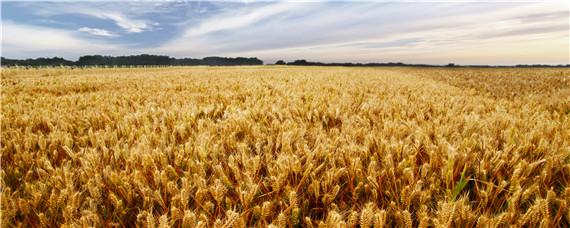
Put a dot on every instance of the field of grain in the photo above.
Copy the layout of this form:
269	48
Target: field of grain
286	147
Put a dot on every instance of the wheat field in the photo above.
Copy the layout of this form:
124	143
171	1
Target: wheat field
285	147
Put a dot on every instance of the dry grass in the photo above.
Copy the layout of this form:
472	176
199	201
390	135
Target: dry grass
286	146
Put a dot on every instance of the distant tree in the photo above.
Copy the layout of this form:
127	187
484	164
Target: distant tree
450	65
300	62
94	60
10	62
142	60
222	61
55	61
280	62
187	62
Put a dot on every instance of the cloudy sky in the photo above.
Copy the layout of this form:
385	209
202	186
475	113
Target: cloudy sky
435	32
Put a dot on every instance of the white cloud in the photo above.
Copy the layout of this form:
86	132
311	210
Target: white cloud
97	32
24	41
130	25
237	20
196	37
122	17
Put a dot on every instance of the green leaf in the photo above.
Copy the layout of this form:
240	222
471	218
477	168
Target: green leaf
459	186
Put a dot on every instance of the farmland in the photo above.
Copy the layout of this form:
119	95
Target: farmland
286	147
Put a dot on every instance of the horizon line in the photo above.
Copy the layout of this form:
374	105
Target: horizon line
309	62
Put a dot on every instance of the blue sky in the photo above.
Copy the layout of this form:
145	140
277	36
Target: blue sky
435	32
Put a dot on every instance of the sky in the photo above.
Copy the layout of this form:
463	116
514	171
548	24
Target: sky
431	32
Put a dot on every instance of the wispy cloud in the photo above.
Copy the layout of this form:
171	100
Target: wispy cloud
117	12
213	31
241	19
20	40
97	32
128	24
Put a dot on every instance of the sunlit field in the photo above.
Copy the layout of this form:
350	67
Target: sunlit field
285	147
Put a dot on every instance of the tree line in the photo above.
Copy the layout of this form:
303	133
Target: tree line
132	60
302	62
163	60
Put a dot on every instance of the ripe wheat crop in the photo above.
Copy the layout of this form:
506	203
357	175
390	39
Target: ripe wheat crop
285	147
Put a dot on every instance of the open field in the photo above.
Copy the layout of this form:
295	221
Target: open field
286	146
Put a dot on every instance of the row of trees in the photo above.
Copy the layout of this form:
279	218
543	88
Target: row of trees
55	61
303	62
132	60
163	60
